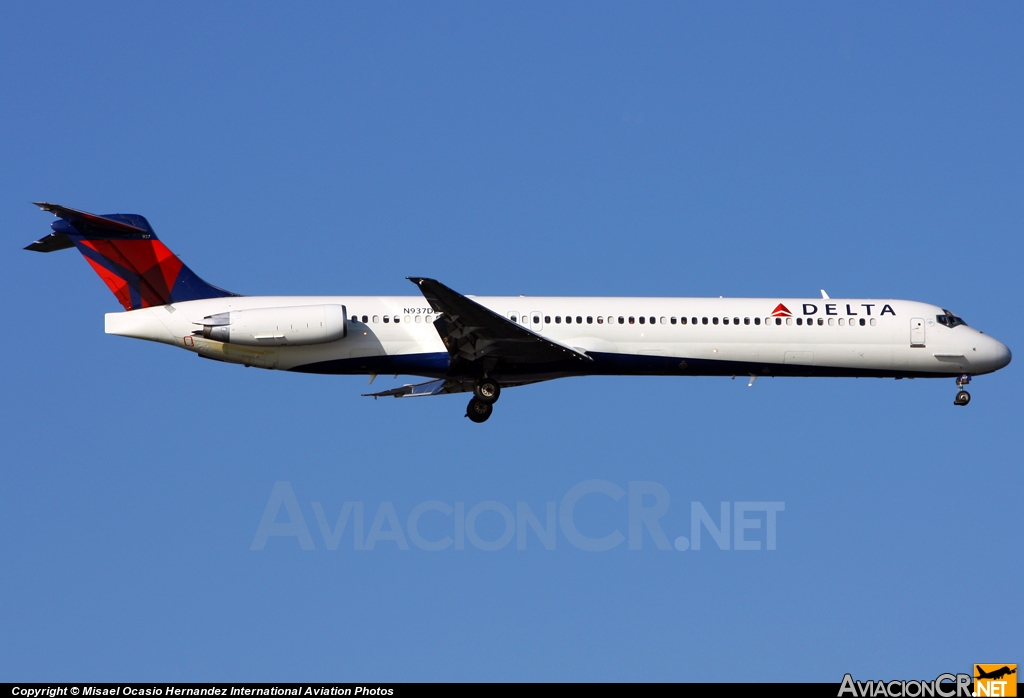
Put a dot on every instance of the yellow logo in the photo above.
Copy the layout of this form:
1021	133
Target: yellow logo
995	680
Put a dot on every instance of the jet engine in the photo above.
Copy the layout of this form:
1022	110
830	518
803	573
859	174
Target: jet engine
290	326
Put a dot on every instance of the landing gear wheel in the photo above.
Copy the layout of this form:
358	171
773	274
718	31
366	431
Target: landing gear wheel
962	396
487	390
479	411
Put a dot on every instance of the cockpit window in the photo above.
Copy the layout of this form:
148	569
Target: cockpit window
949	319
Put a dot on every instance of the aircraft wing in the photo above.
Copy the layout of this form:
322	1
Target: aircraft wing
473	333
440	386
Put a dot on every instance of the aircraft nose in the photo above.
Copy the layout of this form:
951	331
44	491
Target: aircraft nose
1002	355
995	354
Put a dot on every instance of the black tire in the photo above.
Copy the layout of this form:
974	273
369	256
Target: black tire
479	411
487	390
962	398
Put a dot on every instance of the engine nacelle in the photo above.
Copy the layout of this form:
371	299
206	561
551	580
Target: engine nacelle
292	326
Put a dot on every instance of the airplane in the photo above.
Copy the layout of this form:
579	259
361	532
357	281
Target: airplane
995	674
486	344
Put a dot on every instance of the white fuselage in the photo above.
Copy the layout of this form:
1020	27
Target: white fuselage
719	336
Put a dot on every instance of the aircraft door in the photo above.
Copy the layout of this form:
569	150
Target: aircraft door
917	332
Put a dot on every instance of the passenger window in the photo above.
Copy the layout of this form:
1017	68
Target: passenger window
547	319
579	320
703	321
512	318
842	322
536	319
682	321
693	321
364	319
558	319
746	321
872	322
387	319
652	320
600	320
757	321
799	321
568	319
821	321
631	320
725	321
419	318
376	318
621	320
673	321
789	321
735	321
590	320
641	319
862	322
714	321
778	321
831	322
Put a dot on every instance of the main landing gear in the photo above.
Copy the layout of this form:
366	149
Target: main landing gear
485	394
962	396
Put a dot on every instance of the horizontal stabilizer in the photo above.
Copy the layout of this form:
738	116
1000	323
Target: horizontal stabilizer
126	225
51	243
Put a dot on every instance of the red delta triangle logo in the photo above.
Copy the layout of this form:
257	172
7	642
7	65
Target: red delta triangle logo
781	311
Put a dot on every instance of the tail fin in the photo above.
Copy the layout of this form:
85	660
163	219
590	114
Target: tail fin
123	249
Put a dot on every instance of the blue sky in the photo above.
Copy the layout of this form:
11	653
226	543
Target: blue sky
547	149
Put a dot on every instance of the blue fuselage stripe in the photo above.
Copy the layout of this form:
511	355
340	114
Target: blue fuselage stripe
436	365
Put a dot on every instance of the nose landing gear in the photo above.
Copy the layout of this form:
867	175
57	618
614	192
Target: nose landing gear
962	396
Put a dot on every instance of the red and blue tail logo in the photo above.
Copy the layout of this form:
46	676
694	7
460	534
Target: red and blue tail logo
123	249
